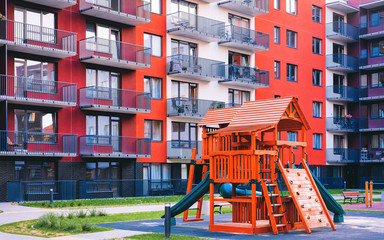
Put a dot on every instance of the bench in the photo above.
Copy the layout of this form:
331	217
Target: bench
220	205
351	195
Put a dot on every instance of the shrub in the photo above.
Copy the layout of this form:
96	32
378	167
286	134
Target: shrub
48	220
81	214
102	213
86	226
70	226
72	204
70	215
93	213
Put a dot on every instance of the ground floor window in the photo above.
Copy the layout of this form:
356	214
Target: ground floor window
34	171
103	171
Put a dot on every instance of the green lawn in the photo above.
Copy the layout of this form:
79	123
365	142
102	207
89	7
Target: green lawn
154	236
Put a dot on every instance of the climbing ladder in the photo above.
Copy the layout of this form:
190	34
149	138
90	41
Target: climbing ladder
306	197
275	206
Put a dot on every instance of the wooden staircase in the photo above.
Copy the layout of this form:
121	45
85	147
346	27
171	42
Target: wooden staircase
276	208
306	197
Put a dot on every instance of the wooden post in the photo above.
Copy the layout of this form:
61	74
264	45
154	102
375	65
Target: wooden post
253	206
371	202
290	157
211	203
366	194
200	202
190	179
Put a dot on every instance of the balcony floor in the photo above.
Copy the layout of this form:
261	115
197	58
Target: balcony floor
104	61
20	153
341	99
37	102
36	50
196	76
111	15
243	83
341	38
371	129
374	98
114	109
243	46
372	67
190	117
373	35
59	4
242	8
114	155
193	34
342	69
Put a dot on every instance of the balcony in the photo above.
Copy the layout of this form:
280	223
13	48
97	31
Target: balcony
195	27
341	31
241	76
114	147
191	108
245	39
371	63
372	30
29	91
341	63
191	67
341	6
132	13
37	144
372	155
251	8
371	124
342	155
372	92
339	124
114	100
37	40
110	53
59	4
180	149
341	93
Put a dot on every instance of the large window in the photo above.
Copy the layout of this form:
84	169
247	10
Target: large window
291	72
183	6
377	141
153	130
153	87
276	69
159	171
316	45
34	171
102	79
104	130
317	141
377	110
276	35
377	80
102	171
156	6
276	4
292	136
183	47
184	135
106	39
238	97
316	13
291	39
292	6
377	48
317	109
184	90
41	123
376	18
316	77
154	43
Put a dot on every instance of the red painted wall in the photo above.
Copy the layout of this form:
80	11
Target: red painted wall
303	57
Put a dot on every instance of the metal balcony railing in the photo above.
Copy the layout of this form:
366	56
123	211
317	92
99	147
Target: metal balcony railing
127	12
343	155
37	144
27	90
372	92
342	31
195	67
372	123
341	62
114	100
249	7
342	93
59	4
371	30
193	26
182	149
245	76
372	63
340	124
244	39
114	147
114	53
191	107
34	39
372	155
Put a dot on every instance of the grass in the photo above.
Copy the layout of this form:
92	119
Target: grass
1	211
154	236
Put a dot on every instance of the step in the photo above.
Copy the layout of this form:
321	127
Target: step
281	225
278	215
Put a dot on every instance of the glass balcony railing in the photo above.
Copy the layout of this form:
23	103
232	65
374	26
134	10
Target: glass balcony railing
341	62
340	124
37	40
372	124
372	155
59	4
343	155
195	27
372	92
342	93
114	147
182	149
114	100
195	67
342	31
191	107
31	91
249	7
37	144
374	29
132	13
114	54
244	39
245	76
372	63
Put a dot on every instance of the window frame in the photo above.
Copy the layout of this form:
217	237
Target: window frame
317	143
291	34
289	4
276	35
150	35
317	109
316	45
289	71
151	130
317	13
151	87
276	69
318	77
241	92
188	125
160	8
276	4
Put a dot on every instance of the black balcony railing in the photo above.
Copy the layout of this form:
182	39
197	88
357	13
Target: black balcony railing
341	92
30	90
191	107
342	124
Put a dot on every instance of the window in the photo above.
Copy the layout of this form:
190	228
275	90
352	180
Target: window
277	96
317	141
184	48
154	43
276	4
238	97
291	72
292	6
153	130
316	45
156	6
291	39
183	6
316	13
159	171
153	87
377	111
317	109
377	48
377	79
99	38
376	18
103	85
102	171
184	135
316	77
235	20
184	90
377	141
276	69
276	35
34	171
103	130
36	122
292	136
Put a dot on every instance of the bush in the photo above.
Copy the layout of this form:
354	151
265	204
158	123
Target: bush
81	214
70	226
72	204
102	213
93	213
70	215
49	220
86	226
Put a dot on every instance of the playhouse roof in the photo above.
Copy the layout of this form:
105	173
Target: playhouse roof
258	115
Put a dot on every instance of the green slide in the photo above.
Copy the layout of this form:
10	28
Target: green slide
193	196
